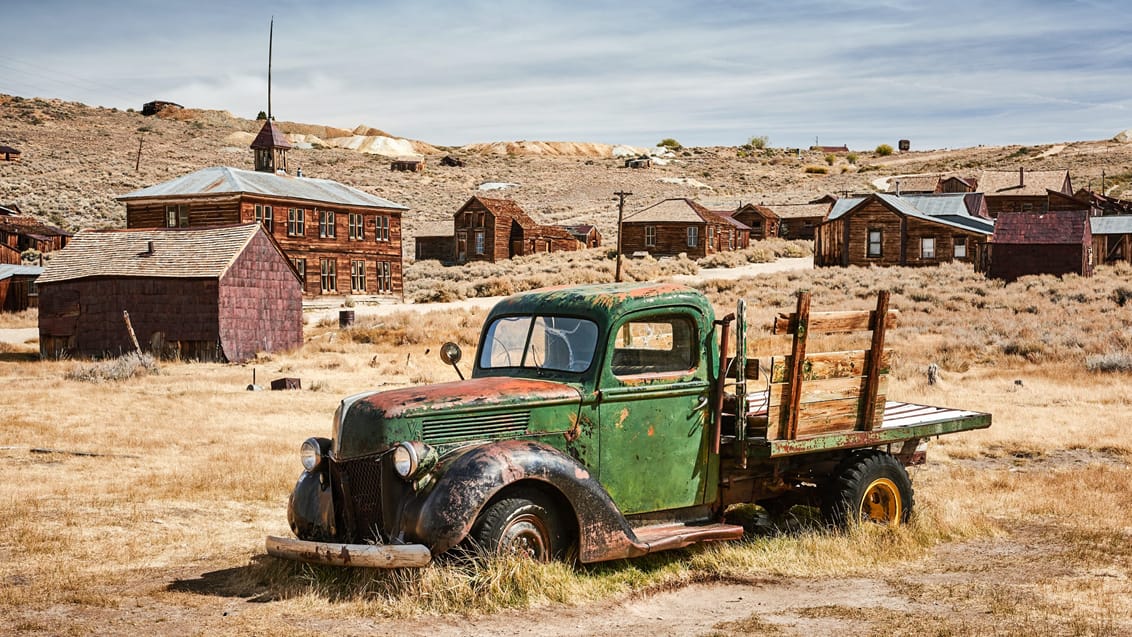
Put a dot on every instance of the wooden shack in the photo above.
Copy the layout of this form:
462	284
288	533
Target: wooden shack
214	294
1055	242
677	226
1112	238
20	233
409	165
7	153
761	221
885	230
18	290
798	220
488	229
587	235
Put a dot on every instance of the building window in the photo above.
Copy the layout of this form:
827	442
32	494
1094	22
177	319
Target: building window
960	247
693	236
357	275
730	239
329	275
480	218
177	216
357	230
384	278
1027	207
326	229
381	228
479	242
650	236
296	222
927	248
875	242
266	216
301	268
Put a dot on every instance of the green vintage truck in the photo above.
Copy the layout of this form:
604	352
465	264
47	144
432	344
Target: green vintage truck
610	421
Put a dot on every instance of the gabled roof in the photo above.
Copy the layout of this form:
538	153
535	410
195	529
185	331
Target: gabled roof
1052	227
221	180
1113	224
8	271
502	209
270	137
675	210
9	209
798	210
9	150
729	217
914	183
189	253
1022	182
948	209
31	227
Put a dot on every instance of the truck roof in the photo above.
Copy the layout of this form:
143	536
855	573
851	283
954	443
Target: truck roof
609	299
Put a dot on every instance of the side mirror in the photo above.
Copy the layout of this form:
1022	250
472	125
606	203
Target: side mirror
450	353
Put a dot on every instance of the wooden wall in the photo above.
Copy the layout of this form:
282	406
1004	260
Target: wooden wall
15	293
1010	261
260	304
672	238
442	249
209	211
1112	248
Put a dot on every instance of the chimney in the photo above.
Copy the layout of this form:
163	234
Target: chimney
1021	177
897	187
149	248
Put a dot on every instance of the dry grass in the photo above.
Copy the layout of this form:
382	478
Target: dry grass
1022	528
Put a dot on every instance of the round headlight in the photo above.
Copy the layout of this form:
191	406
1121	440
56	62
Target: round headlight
311	454
405	459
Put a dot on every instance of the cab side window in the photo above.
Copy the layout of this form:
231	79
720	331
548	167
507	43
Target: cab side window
655	345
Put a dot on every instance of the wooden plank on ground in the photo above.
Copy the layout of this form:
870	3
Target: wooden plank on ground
829	365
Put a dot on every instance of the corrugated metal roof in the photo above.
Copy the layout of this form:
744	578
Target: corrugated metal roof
219	180
1115	224
191	253
8	271
949	209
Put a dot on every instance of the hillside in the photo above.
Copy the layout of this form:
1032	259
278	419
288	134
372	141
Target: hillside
76	159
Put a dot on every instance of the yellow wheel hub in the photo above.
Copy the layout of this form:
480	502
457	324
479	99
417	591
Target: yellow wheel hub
881	503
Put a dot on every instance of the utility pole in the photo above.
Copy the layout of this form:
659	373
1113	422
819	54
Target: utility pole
270	39
137	164
621	194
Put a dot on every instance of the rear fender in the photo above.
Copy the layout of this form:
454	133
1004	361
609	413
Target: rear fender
468	479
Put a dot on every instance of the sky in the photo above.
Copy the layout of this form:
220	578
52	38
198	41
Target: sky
854	72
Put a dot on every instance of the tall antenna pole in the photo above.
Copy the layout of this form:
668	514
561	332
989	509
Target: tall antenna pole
270	38
620	213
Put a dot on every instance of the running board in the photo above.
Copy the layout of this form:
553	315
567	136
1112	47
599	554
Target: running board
665	537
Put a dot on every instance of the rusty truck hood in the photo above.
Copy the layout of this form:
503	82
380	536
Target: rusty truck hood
477	408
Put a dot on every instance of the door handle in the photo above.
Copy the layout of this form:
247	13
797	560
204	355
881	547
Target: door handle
700	405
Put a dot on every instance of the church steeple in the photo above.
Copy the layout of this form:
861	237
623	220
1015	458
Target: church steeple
271	148
270	145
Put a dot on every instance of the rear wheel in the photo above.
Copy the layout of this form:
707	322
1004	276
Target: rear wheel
524	523
869	486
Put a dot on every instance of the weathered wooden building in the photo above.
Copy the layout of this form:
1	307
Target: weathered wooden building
1021	190
222	293
1112	238
931	184
341	240
1055	242
885	230
18	289
488	229
798	220
674	226
410	164
19	233
761	221
589	236
436	247
7	153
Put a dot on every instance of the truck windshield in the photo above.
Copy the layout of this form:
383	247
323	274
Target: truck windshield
559	343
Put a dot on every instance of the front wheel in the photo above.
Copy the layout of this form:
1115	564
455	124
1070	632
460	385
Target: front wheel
524	524
870	486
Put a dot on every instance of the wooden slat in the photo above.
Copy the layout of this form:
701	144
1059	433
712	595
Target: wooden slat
830	416
773	345
797	358
834	322
873	365
828	365
816	391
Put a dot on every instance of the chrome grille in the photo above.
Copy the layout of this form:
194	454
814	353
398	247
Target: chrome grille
446	428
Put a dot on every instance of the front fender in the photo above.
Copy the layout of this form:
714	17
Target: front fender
466	481
310	510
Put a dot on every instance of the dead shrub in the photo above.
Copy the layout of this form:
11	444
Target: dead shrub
1112	362
115	369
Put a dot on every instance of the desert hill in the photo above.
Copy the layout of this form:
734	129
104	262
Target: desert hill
77	158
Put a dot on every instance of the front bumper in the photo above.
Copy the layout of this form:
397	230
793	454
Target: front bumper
363	555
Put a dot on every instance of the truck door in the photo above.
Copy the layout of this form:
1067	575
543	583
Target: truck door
653	411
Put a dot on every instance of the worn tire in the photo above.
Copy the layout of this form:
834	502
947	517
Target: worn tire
525	522
868	486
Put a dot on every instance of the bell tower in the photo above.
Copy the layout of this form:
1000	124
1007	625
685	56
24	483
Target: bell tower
270	145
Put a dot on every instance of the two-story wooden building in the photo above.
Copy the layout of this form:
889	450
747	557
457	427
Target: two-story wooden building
488	229
885	230
341	240
674	226
1022	190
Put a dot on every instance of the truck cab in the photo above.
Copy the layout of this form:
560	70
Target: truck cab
596	422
